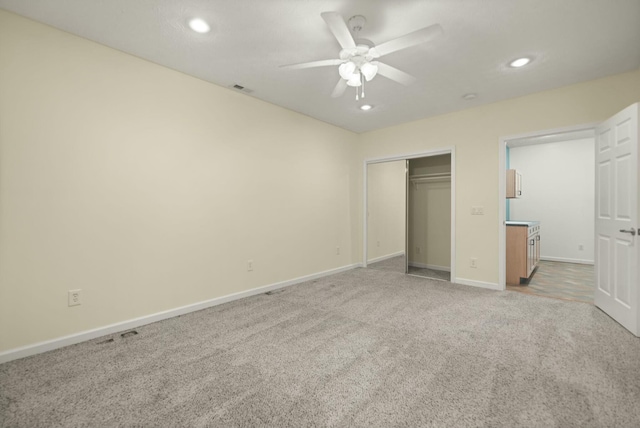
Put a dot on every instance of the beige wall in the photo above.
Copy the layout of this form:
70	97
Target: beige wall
149	189
475	133
386	196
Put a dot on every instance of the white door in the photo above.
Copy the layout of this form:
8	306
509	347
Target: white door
617	255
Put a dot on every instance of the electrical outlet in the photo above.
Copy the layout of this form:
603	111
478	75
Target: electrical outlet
337	251
73	297
580	247
418	250
249	265
474	262
378	244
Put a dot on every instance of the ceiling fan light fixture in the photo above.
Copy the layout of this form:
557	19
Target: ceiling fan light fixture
347	70
369	70
355	80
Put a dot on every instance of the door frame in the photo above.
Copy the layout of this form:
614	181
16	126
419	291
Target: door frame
502	188
407	156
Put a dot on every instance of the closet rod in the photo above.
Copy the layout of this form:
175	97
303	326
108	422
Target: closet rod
438	174
420	180
442	176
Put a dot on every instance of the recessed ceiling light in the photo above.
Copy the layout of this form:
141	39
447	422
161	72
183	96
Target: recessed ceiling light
366	107
520	62
470	96
199	25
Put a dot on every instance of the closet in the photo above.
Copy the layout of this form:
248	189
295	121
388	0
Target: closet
429	217
409	212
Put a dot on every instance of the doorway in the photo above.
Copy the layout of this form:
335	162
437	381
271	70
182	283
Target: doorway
409	214
616	213
557	189
556	170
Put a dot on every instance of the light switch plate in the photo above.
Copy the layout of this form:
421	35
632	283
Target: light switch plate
477	210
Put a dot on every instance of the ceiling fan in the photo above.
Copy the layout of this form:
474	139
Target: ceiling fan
358	58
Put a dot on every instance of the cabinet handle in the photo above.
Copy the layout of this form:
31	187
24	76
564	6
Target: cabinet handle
538	238
532	242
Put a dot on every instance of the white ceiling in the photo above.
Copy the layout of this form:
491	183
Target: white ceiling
571	41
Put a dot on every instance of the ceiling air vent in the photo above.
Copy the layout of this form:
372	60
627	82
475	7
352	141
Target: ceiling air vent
242	88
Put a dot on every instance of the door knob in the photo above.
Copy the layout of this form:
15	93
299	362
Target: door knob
631	231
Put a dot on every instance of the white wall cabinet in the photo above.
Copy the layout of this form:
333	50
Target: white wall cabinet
514	184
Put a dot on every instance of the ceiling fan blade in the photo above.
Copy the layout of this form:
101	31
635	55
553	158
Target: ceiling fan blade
321	63
339	89
339	29
411	39
395	74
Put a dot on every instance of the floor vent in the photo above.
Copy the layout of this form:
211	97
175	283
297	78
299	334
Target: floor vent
106	341
241	88
128	334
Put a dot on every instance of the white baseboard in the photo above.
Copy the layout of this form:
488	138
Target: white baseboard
387	257
426	266
481	284
565	260
49	345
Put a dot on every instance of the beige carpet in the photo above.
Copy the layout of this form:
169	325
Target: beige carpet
362	348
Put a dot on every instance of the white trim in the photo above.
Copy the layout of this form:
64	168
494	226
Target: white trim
387	257
49	345
481	284
502	189
453	214
434	267
442	151
561	130
428	153
502	208
565	260
365	214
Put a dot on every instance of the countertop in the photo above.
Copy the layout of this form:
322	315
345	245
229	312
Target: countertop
522	223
